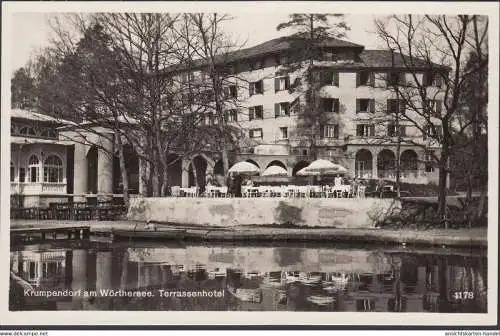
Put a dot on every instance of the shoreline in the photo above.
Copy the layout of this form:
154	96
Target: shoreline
475	238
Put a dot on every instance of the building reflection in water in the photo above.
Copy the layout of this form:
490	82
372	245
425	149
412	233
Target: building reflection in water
257	278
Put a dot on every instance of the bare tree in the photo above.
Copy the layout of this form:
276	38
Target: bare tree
433	51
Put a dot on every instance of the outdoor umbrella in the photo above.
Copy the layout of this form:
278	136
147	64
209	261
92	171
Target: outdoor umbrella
244	167
304	172
324	167
275	171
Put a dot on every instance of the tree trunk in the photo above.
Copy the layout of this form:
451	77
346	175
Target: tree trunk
443	174
164	185
123	169
156	180
225	159
195	173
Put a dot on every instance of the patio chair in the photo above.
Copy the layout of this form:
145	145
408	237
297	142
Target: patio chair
361	192
175	191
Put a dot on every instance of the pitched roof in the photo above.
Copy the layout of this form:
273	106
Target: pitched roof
35	116
383	59
274	46
283	44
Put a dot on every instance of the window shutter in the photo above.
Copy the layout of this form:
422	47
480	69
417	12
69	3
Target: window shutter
336	79
276	110
336	131
372	79
287	109
388	79
372	130
402	106
336	106
251	89
250	133
357	79
357	105
251	113
287	82
372	105
276	84
322	133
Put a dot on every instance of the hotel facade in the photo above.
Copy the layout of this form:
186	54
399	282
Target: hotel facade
51	161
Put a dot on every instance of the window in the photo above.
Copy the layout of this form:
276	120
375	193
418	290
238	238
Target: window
231	91
34	169
393	104
365	105
432	131
52	169
330	56
284	132
365	78
26	130
281	109
429	160
330	105
256	112
231	115
48	133
281	60
432	79
365	130
391	130
281	83
256	133
435	106
256	88
329	77
330	131
22	174
12	172
395	78
258	64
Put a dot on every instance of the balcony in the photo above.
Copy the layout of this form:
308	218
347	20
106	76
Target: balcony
38	188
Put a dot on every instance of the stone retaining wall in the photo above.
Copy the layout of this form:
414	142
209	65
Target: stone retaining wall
227	212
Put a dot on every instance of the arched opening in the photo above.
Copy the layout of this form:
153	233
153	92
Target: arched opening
132	167
253	162
363	164
219	173
197	172
386	164
300	165
92	169
409	163
174	170
53	169
276	163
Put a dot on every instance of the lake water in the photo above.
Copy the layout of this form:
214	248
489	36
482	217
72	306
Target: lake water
157	277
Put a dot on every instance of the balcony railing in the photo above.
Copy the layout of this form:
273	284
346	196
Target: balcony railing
38	188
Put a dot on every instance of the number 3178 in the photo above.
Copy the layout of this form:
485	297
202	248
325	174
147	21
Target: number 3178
463	295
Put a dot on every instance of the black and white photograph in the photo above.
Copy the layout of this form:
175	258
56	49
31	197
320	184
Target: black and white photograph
245	157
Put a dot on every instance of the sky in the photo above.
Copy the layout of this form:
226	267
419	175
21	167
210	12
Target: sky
31	31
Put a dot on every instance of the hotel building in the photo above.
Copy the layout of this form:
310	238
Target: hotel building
50	161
